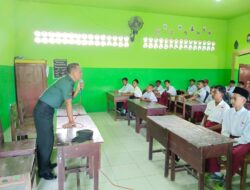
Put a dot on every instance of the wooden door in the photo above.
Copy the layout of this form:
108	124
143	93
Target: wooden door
31	81
244	73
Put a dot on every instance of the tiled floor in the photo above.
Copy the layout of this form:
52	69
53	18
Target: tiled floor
125	162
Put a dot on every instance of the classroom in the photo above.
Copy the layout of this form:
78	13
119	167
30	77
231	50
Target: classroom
132	95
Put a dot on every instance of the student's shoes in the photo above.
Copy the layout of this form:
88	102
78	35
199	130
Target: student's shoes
216	178
177	158
123	114
52	166
48	176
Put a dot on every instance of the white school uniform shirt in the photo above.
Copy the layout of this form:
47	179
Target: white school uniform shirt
237	123
128	88
137	92
209	98
230	90
192	89
215	112
207	88
160	89
150	96
171	90
201	95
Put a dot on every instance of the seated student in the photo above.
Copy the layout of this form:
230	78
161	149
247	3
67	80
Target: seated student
207	88
241	84
149	96
136	93
236	125
210	96
126	88
230	88
192	87
170	89
201	95
215	109
158	89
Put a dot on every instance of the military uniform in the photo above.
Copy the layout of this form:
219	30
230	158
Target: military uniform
53	97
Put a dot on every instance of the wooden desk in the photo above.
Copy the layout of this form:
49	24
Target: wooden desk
191	107
77	110
142	109
17	148
193	143
89	149
115	98
17	172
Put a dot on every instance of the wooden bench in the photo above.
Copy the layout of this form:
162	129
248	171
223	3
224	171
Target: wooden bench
19	130
194	144
114	98
142	109
18	172
17	163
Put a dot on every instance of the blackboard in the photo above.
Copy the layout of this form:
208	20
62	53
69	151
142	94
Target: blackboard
60	68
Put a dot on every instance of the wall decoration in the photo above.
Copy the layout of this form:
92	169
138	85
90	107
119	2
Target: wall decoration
236	44
179	27
164	26
192	28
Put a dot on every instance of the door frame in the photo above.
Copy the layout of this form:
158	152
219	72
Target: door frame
237	54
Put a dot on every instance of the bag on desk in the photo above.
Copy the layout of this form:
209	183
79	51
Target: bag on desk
83	135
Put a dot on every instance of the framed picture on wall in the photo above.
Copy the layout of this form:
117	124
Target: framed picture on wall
248	38
60	68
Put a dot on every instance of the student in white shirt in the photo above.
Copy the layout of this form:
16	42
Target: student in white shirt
201	94
126	88
230	88
137	93
192	87
206	86
158	89
236	125
210	96
149	96
215	109
170	89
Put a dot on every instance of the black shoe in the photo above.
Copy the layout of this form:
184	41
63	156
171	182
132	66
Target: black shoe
177	158
48	176
52	166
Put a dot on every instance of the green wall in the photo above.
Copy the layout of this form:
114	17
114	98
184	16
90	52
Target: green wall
104	67
238	29
52	17
7	42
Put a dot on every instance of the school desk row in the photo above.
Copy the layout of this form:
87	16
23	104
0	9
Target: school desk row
192	143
